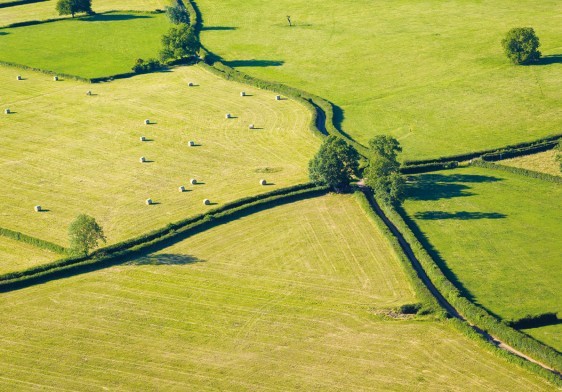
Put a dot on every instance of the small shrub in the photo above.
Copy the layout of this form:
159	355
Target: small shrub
150	65
409	308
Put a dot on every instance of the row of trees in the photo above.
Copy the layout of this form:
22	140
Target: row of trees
337	164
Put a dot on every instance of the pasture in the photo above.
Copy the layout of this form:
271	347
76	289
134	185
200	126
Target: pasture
93	46
73	153
550	335
497	233
16	255
544	162
286	299
46	9
432	74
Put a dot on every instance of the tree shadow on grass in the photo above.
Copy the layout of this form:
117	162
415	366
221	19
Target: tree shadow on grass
113	17
550	59
4	33
255	63
460	215
442	186
165	259
219	28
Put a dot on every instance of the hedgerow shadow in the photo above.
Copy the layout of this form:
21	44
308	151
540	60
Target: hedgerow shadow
113	17
254	63
219	28
460	215
165	259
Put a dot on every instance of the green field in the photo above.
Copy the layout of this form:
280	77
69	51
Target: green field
550	335
544	162
282	300
431	73
46	9
72	153
499	234
16	255
94	46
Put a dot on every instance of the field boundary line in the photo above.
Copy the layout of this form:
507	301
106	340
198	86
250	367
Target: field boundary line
517	170
157	239
27	239
527	351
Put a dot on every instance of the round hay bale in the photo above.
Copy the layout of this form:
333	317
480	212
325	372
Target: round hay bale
193	181
181	188
190	84
18	77
37	208
263	182
146	122
89	92
206	202
7	111
243	94
252	126
56	78
227	115
143	139
191	143
142	159
148	202
278	97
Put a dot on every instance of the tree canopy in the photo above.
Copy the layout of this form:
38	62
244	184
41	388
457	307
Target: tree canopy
180	42
335	164
521	45
177	13
383	171
71	7
84	234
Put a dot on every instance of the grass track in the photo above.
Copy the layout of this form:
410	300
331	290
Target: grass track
94	46
544	162
236	308
497	232
15	255
98	170
431	73
46	9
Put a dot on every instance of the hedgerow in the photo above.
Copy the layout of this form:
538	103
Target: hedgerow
518	170
39	243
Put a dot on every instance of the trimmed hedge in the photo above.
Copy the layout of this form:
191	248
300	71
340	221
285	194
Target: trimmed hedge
477	154
322	110
473	313
428	167
518	152
429	303
157	239
518	170
39	243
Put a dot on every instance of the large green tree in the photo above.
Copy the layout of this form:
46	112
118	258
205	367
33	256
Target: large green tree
71	7
383	171
177	13
335	164
180	42
84	234
521	45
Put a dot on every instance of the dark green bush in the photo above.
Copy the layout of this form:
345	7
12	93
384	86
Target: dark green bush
409	308
150	65
521	45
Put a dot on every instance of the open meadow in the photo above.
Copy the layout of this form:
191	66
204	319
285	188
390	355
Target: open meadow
285	299
544	162
431	73
73	153
47	9
497	233
93	46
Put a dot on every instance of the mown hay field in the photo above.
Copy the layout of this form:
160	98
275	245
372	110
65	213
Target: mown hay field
285	299
73	153
433	74
47	9
16	255
544	162
497	233
92	47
